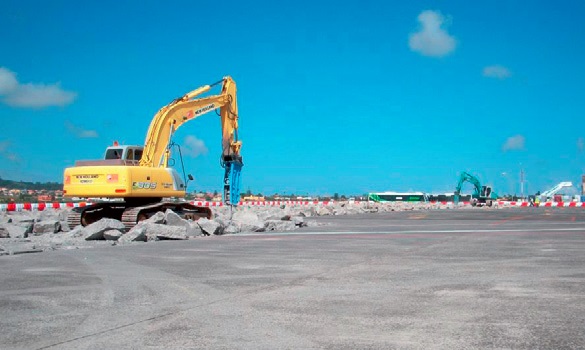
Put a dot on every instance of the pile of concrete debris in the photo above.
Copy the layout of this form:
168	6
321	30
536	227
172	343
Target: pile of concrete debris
31	231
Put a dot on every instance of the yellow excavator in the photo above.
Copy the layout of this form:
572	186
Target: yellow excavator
137	181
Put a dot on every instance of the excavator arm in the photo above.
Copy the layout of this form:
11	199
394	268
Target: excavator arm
466	177
169	118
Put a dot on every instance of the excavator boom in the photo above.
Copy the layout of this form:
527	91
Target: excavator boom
172	116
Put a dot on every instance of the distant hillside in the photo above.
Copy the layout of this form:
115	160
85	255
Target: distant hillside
20	185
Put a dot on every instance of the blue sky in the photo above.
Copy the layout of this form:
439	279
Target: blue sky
334	96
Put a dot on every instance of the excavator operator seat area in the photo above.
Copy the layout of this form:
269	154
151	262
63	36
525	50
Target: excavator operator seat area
114	153
129	154
486	191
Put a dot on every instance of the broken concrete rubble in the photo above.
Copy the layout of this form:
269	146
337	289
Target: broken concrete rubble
27	225
270	213
17	231
13	246
173	219
247	221
19	218
194	230
298	221
231	229
322	211
4	232
136	234
23	248
50	230
112	235
96	230
155	232
52	214
10	230
158	218
279	225
209	227
64	226
46	226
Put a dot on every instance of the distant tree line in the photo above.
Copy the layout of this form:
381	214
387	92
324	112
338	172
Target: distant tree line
23	185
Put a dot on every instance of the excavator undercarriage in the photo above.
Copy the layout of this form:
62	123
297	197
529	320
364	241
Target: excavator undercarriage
130	214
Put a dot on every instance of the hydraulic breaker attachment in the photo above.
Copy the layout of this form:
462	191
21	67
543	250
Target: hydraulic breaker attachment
231	181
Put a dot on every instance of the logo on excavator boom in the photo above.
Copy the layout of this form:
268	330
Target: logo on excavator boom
204	109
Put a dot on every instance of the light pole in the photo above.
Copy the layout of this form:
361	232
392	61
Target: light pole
521	182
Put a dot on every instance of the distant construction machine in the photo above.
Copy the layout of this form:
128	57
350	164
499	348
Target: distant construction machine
482	195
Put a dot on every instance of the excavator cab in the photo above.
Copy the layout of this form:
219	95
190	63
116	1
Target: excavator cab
129	154
486	191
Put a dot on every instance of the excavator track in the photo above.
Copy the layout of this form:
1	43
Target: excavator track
89	214
74	217
134	215
130	216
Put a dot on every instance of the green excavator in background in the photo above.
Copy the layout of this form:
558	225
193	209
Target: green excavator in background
482	195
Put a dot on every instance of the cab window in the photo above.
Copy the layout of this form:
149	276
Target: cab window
114	153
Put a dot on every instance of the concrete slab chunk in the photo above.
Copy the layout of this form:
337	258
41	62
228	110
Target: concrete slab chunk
46	226
112	235
162	232
209	227
194	230
96	230
4	231
17	231
298	221
21	248
247	221
173	219
279	225
136	234
158	218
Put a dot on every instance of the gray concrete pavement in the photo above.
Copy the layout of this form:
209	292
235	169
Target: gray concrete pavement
452	279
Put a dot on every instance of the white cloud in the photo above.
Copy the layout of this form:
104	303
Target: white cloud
432	39
496	71
581	144
8	81
6	153
80	132
514	143
193	147
31	95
